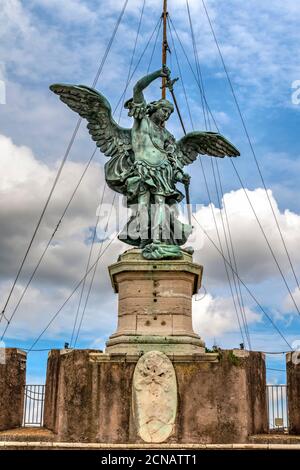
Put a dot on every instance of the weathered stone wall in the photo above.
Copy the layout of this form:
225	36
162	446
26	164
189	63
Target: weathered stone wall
222	402
218	401
293	388
12	382
51	389
87	401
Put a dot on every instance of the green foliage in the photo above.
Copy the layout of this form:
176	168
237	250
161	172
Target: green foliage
235	361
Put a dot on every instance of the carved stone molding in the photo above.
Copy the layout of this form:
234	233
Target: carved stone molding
154	394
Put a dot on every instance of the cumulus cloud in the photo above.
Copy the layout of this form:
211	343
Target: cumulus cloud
24	190
288	304
215	316
68	11
254	260
251	42
40	306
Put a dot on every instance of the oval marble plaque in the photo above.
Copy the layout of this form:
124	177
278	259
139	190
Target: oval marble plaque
154	397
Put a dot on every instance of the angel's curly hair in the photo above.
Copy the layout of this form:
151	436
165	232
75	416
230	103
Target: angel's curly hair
155	105
139	110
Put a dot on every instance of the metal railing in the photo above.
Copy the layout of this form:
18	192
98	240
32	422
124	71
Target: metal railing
34	398
277	408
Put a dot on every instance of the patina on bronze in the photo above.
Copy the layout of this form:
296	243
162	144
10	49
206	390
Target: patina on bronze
145	162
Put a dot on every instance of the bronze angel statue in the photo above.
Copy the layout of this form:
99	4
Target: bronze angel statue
145	162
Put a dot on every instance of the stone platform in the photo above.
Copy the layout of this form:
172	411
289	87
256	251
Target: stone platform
35	445
221	397
155	305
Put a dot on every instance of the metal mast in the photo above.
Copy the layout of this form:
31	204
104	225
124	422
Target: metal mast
165	46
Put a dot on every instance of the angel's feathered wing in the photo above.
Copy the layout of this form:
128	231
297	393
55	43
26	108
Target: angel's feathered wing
204	143
114	141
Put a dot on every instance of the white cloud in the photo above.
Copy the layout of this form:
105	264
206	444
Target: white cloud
69	11
288	304
24	190
215	316
21	168
250	36
254	260
40	306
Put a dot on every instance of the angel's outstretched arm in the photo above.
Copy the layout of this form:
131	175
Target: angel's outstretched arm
138	96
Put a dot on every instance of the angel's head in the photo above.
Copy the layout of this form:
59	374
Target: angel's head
160	111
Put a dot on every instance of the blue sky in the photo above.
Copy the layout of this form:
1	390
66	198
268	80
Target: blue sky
42	42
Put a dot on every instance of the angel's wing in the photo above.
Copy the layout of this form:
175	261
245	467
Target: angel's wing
112	139
204	143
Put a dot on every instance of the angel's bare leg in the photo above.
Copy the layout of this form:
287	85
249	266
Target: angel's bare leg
144	205
159	218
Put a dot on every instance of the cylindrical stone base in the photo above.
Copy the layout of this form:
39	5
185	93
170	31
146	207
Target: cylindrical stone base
155	305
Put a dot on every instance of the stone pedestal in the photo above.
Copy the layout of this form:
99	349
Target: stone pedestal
12	383
221	398
155	383
155	305
293	391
